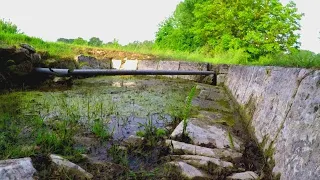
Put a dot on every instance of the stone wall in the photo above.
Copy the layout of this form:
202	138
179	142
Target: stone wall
169	65
283	107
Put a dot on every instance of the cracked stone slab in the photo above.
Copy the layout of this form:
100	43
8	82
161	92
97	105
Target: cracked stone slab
17	169
189	171
203	162
204	131
184	148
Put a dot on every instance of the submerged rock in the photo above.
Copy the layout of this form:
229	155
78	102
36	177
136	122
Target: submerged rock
16	169
244	176
184	148
133	140
189	171
70	167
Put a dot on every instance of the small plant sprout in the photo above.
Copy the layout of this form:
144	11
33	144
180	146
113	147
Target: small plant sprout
99	130
186	111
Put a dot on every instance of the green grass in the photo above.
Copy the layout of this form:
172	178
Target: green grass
58	50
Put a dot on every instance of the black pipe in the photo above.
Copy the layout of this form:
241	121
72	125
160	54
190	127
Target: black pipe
86	72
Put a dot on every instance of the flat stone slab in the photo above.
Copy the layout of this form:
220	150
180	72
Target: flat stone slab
189	171
212	165
184	148
244	176
203	131
213	94
17	169
202	160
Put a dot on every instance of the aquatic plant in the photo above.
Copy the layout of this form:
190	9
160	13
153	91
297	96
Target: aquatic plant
186	111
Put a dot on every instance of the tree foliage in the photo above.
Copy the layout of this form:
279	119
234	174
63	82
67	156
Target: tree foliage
8	27
259	27
80	41
64	40
94	41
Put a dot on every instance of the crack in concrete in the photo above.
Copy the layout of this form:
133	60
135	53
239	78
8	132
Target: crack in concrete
250	80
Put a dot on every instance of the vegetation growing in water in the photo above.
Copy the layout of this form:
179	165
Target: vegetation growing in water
186	111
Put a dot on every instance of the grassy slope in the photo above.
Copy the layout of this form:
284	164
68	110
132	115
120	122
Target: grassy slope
68	51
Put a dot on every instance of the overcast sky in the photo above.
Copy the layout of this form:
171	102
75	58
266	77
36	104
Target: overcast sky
125	20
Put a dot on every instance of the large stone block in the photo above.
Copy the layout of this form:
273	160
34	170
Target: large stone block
190	66
147	65
169	65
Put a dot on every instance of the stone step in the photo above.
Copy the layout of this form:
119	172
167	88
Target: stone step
213	166
184	148
189	171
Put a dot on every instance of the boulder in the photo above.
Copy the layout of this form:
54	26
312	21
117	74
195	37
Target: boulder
184	148
189	171
64	164
28	47
243	176
17	169
204	131
133	140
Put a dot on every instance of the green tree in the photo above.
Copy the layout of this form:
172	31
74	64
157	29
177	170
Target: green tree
8	27
259	27
94	41
80	41
64	40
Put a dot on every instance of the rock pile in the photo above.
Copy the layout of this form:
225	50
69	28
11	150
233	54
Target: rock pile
17	62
